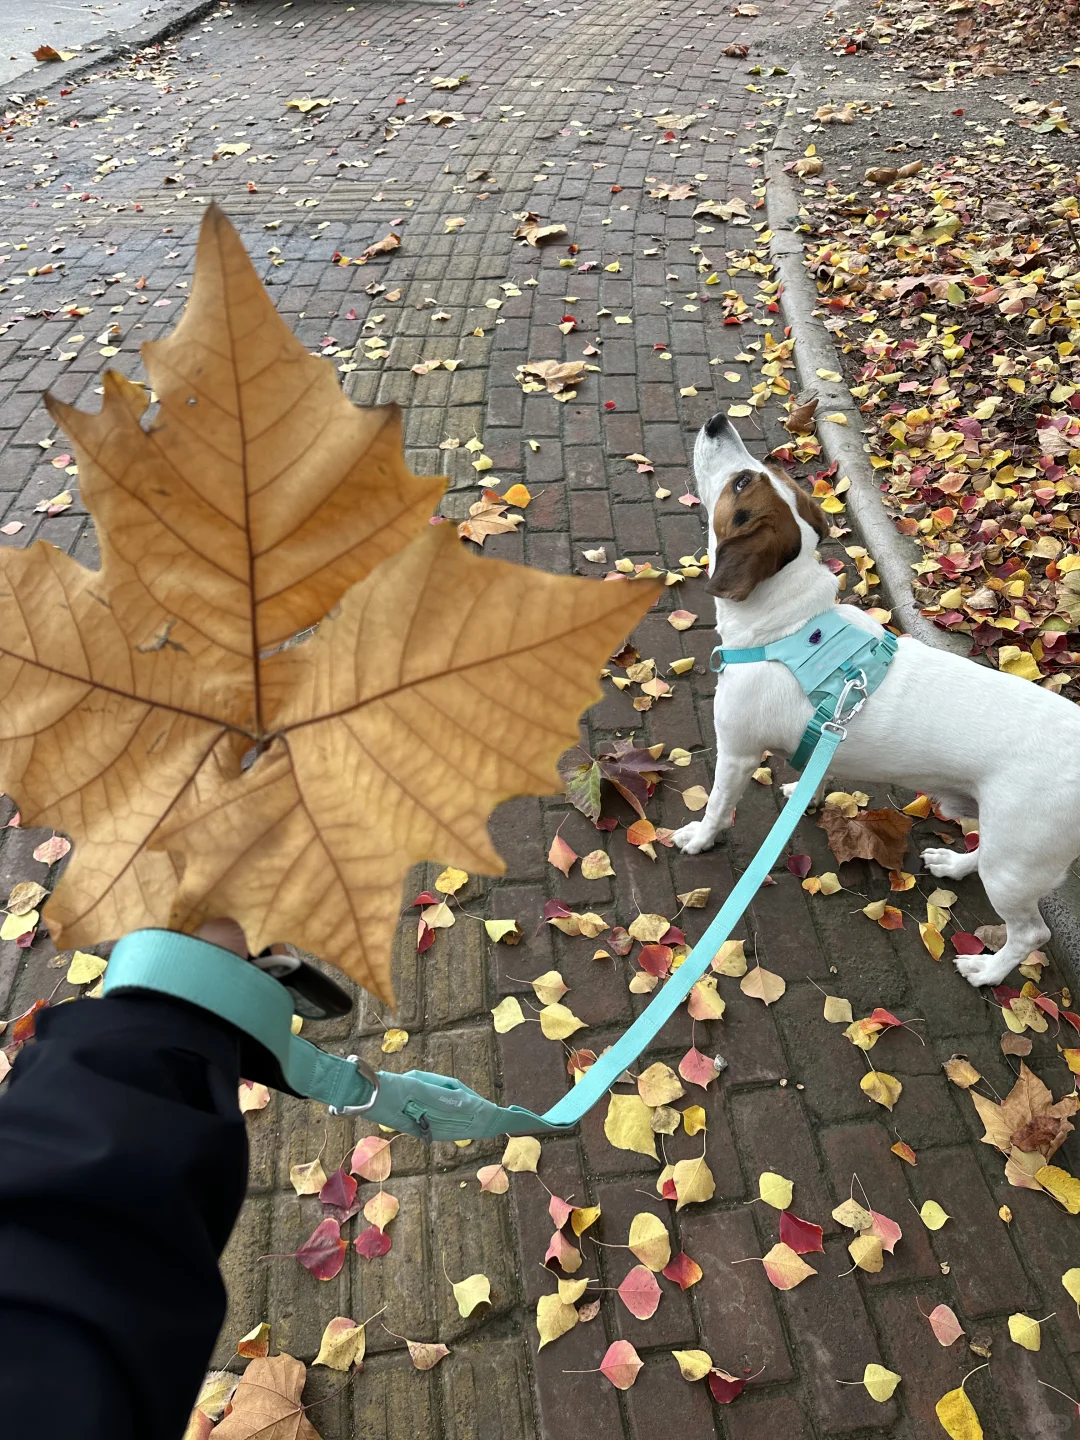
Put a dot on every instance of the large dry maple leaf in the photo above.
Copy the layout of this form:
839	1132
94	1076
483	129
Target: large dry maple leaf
134	699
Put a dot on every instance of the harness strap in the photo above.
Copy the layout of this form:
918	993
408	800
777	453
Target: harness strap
432	1107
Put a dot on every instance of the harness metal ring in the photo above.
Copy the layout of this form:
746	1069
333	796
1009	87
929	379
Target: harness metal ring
371	1076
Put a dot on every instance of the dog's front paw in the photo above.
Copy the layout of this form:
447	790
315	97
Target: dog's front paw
946	864
692	839
982	969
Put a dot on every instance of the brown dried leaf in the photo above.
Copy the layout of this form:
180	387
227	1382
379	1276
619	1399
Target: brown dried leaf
879	835
266	1404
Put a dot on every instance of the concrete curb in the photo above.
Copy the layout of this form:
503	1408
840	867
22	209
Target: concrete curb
893	553
170	19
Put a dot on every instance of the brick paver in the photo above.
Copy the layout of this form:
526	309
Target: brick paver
551	118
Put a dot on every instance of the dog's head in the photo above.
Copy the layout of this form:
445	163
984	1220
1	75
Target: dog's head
761	520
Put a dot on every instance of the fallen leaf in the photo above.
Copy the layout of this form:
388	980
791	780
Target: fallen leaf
51	850
879	835
493	1179
425	1356
342	1344
474	1290
693	1181
1025	1331
307	1178
693	1364
802	1236
885	1089
554	1317
1065	1188
266	1403
762	984
957	1416
725	1388
621	1364
85	969
880	1383
683	1271
596	865
506	932
640	1293
323	1252
522	1153
698	1069
961	1072
659	1085
932	1215
371	1158
393	1041
251	1095
279	507
947	1329
730	959
904	1151
866	1253
785	1269
649	1240
775	1190
695	798
561	855
837	1010
507	1014
255	1345
558	1022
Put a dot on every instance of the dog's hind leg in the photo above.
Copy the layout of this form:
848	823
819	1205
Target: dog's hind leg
1014	880
951	864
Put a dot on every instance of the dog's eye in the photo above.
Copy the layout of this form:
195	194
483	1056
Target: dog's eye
741	482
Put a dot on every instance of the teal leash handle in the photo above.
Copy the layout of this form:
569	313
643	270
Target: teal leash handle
418	1102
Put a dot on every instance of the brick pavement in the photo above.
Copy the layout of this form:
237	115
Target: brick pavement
566	84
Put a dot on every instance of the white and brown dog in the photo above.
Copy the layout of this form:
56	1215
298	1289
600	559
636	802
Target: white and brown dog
978	741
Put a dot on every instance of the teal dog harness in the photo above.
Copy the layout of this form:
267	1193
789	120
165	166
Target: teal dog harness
836	662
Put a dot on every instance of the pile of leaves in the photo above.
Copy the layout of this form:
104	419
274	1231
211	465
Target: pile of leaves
953	295
968	38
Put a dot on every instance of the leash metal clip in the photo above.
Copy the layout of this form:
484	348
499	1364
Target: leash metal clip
371	1076
846	709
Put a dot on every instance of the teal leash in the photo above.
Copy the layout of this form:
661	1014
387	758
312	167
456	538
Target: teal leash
418	1102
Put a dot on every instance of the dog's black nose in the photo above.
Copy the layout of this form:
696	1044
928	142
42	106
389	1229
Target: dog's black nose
717	426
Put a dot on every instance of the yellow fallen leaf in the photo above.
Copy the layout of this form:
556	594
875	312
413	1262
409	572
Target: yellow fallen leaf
256	1343
696	797
649	1240
932	1215
693	1364
628	1125
596	865
550	987
521	1153
1025	1331
85	969
394	1040
867	1253
16	925
698	898
1015	661
451	881
343	1344
730	959
775	1190
474	1290
582	1216
837	417
507	1014
1065	1188
648	928
880	1383
961	1072
559	1021
885	1089
762	984
286	509
1071	1281
659	1085
571	1291
933	939
508	931
957	1416
829	375
785	1268
554	1317
518	496
307	1178
693	1118
837	1010
694	1183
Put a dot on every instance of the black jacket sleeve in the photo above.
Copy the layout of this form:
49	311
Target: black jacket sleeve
123	1164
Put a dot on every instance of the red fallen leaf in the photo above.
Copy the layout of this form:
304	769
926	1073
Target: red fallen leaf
609	404
965	944
616	189
562	855
338	1196
371	1243
799	865
697	1069
560	1252
891	918
905	1152
323	1252
668	1191
556	910
427	898
620	940
883	1017
1005	995
689	500
886	1230
609	822
684	1271
560	1211
425	937
621	1364
1074	1020
640	1293
26	939
802	1236
579	1061
672	935
655	960
1045	1003
724	1387
23	1028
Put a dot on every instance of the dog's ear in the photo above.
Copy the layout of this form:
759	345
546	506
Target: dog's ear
756	535
809	510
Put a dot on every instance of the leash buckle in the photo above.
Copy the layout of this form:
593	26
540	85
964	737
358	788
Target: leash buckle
846	708
371	1076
